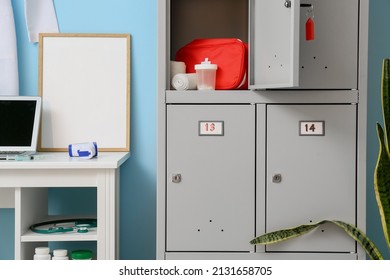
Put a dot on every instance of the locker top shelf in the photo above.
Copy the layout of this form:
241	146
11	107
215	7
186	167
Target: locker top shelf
270	96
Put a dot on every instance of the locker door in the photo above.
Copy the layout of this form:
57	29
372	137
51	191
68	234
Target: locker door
280	55
330	60
311	173
274	43
210	177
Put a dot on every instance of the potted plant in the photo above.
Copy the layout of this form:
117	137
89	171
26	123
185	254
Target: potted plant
381	186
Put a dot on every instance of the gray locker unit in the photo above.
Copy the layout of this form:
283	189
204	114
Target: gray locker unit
289	150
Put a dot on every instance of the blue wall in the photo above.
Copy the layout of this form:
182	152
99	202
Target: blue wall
138	175
379	48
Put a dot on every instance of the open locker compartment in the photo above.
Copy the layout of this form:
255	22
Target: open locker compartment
194	19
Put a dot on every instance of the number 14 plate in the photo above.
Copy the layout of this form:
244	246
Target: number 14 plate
312	128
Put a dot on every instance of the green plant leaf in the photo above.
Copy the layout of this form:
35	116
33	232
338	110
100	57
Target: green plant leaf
285	234
382	185
385	88
360	238
382	168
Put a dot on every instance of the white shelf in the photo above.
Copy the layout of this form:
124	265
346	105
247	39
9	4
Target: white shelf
30	236
91	235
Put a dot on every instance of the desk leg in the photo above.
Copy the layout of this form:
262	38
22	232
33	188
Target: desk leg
27	212
7	198
108	215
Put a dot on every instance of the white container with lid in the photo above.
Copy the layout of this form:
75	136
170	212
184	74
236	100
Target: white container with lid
60	254
42	253
206	74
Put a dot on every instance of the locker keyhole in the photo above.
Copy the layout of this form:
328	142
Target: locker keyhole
277	178
176	178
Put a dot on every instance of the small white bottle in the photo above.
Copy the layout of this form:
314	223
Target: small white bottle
42	253
206	75
60	254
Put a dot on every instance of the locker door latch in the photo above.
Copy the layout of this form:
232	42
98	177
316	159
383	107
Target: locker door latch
176	178
277	178
287	4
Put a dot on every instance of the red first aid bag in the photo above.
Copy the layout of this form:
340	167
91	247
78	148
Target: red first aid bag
230	54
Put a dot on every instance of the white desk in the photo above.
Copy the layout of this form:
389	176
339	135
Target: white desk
30	181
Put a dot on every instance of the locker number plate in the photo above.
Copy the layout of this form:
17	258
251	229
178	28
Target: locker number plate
312	128
211	128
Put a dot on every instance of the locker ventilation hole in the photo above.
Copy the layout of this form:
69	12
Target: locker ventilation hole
198	230
222	230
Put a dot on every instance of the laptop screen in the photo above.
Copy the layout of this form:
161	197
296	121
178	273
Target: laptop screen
19	122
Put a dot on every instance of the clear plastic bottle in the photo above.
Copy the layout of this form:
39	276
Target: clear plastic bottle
206	75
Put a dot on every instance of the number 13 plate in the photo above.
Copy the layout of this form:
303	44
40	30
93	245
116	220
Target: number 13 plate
211	128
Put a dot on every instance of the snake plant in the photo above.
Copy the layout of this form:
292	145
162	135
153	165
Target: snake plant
382	175
381	187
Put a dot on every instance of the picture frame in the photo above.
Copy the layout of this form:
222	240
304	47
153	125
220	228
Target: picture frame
84	82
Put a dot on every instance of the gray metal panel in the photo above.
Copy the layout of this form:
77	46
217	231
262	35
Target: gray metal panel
331	59
318	175
212	208
274	46
262	96
261	256
162	84
362	119
261	145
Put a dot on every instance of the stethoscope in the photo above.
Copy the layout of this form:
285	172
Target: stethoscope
64	225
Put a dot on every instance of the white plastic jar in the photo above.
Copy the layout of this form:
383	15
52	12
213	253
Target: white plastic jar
60	254
42	254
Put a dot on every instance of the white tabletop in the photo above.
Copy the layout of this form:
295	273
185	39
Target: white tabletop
62	160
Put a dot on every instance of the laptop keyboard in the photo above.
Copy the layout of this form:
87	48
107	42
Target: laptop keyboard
10	152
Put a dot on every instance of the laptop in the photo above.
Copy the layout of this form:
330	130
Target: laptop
19	126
